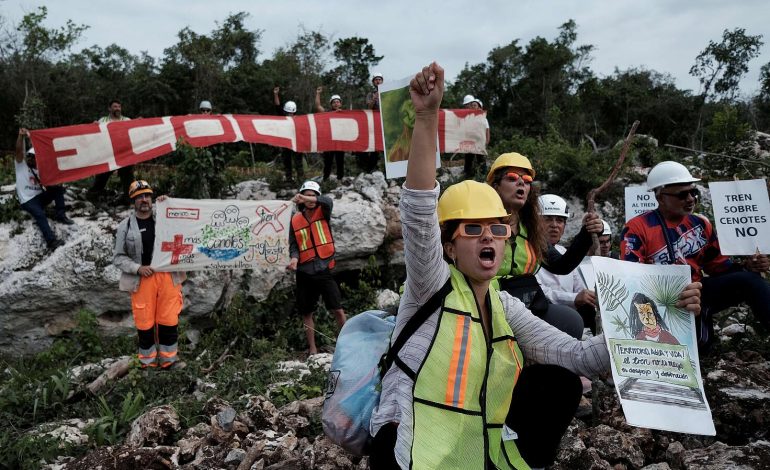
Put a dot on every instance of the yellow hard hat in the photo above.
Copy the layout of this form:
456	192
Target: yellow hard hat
470	200
510	159
139	187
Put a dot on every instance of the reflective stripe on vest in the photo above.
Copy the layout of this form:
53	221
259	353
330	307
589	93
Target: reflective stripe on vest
463	389
519	256
314	237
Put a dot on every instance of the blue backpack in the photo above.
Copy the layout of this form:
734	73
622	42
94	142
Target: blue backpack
361	359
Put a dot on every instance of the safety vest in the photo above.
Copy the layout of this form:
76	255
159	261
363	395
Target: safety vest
462	391
519	256
314	237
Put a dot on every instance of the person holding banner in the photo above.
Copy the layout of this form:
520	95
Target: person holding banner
673	234
156	297
448	400
470	159
335	102
311	247
289	156
34	197
125	173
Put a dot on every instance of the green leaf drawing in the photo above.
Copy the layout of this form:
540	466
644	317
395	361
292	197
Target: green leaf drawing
664	290
613	291
621	325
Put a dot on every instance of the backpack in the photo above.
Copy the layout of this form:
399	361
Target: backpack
361	358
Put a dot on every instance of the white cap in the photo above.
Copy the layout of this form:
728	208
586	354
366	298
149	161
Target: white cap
606	230
290	107
335	97
311	185
376	75
666	173
205	105
552	204
468	99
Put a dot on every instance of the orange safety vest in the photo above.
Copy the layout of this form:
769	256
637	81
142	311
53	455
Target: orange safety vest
314	237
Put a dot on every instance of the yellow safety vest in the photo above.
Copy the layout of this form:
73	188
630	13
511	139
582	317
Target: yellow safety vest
462	391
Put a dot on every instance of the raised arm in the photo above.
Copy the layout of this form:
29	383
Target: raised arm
426	90
318	107
20	144
276	96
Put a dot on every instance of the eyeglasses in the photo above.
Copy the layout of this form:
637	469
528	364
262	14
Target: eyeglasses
512	176
682	195
475	229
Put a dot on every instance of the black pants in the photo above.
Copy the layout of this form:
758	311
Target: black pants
469	168
368	161
339	158
290	157
126	175
543	404
36	207
588	314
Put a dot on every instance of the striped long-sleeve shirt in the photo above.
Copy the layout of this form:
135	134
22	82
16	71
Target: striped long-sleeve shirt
426	273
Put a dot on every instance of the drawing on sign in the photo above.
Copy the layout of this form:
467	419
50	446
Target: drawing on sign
227	236
654	365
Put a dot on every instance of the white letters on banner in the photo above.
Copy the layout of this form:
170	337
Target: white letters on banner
741	216
194	234
638	201
652	345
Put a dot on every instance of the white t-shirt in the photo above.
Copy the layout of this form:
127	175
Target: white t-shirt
27	185
560	289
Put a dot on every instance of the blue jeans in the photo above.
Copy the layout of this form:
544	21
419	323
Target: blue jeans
36	207
727	290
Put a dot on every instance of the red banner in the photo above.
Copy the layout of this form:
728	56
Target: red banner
75	152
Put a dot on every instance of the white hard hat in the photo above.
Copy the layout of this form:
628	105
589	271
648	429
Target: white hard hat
335	97
481	105
290	107
666	173
468	99
552	204
31	151
606	230
376	75
205	105
311	185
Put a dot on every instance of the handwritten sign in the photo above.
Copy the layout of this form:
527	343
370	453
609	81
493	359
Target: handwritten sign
638	201
652	345
221	234
742	216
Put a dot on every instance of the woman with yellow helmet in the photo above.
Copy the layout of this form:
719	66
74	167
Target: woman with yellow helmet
446	399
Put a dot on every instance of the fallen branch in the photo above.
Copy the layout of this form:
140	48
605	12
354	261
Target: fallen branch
757	162
221	358
117	370
251	456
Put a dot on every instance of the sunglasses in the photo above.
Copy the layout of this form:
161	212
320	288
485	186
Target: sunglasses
682	195
513	177
475	229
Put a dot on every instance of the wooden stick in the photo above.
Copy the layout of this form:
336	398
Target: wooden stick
221	358
758	162
252	455
117	370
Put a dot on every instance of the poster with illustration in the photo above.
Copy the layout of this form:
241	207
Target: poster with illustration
653	350
197	234
397	114
741	216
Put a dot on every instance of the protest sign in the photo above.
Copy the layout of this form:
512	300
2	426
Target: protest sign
741	216
196	234
397	114
75	152
652	345
638	201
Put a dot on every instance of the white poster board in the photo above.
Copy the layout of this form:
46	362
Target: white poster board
638	201
741	216
652	344
397	114
196	234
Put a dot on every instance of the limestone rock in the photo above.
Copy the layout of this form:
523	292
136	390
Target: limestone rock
154	427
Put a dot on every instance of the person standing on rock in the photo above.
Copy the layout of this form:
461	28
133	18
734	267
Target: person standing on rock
125	173
335	103
673	234
34	197
156	297
290	157
311	247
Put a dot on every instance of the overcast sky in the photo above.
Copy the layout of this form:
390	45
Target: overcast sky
655	34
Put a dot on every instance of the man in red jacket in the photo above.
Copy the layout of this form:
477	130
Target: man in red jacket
311	247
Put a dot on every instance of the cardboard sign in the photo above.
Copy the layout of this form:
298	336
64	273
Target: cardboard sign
741	216
638	201
652	345
196	234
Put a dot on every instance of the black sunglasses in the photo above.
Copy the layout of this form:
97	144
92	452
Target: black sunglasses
682	195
